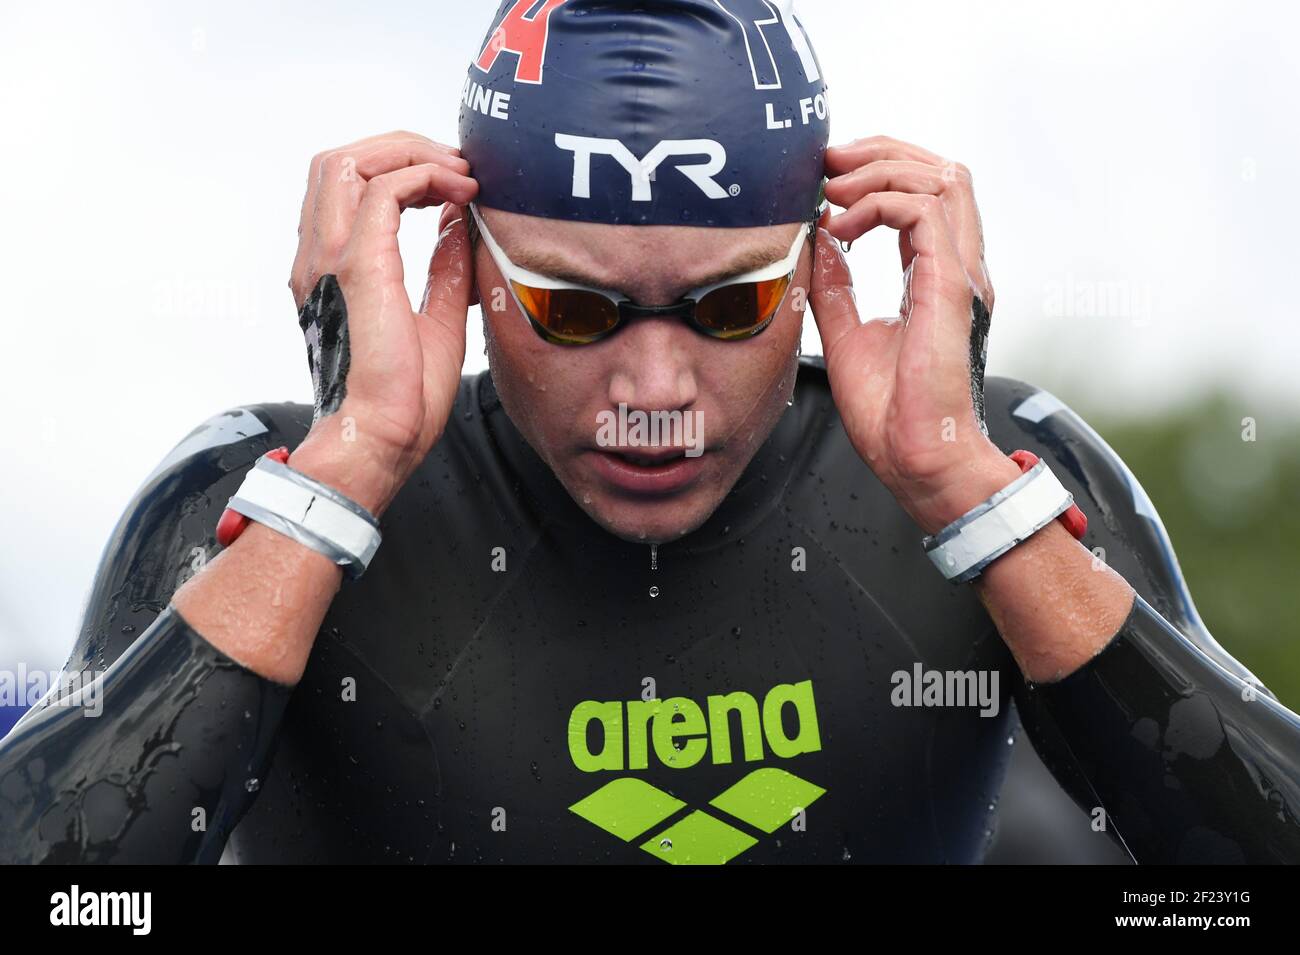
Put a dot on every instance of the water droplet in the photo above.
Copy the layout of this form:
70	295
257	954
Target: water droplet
654	591
665	844
252	785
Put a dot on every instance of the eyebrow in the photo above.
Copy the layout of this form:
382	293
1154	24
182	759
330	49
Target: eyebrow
554	266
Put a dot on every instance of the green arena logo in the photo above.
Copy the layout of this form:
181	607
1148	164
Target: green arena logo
679	733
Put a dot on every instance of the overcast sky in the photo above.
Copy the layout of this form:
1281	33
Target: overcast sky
1135	162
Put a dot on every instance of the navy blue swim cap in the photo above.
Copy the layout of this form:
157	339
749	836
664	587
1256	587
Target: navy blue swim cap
659	112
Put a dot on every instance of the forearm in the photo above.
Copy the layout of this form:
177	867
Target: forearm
1181	758
1055	605
154	762
262	600
1185	761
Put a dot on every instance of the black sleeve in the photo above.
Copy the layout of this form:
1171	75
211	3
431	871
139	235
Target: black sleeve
154	742
1163	737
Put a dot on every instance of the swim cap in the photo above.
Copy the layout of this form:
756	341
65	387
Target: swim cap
659	112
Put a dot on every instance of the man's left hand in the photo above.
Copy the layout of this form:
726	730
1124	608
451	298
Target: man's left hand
903	385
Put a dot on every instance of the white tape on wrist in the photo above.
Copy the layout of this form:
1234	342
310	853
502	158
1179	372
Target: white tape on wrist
965	547
311	513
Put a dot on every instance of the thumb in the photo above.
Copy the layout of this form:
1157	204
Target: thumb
450	213
441	322
450	287
834	304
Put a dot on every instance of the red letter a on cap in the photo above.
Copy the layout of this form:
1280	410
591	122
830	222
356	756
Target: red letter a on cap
522	35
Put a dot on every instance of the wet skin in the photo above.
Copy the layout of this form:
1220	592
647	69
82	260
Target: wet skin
555	394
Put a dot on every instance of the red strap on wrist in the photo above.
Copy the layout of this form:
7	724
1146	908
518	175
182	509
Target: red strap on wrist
1075	521
232	523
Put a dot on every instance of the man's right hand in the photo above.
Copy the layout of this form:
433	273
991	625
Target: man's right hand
405	364
261	601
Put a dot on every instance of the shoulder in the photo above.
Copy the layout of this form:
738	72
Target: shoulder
1124	526
259	427
167	530
1022	415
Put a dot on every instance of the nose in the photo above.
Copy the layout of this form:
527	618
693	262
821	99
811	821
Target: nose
655	368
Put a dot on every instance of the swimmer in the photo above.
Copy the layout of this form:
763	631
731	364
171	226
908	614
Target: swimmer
450	622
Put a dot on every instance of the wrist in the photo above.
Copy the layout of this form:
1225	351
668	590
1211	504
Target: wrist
337	455
968	482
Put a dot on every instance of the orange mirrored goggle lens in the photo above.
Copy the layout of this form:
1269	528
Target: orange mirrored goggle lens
575	316
736	311
568	315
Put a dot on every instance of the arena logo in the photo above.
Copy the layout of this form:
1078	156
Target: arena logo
681	733
651	429
74	907
623	736
642	171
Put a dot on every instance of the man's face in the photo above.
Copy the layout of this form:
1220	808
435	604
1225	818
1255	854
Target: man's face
565	400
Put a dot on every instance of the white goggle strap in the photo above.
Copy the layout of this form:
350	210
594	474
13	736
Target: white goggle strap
776	270
514	273
310	513
965	547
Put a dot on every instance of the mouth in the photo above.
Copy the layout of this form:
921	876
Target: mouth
647	472
647	457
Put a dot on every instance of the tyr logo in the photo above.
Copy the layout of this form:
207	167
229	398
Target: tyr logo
522	35
642	170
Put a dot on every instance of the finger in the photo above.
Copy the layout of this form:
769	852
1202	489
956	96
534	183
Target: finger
301	279
402	134
849	156
450	213
950	182
440	326
451	275
834	303
334	181
937	280
887	175
382	157
922	216
446	304
370	267
343	173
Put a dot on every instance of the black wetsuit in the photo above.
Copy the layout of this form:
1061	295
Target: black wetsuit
484	692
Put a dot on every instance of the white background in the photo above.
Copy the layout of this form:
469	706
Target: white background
1136	162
